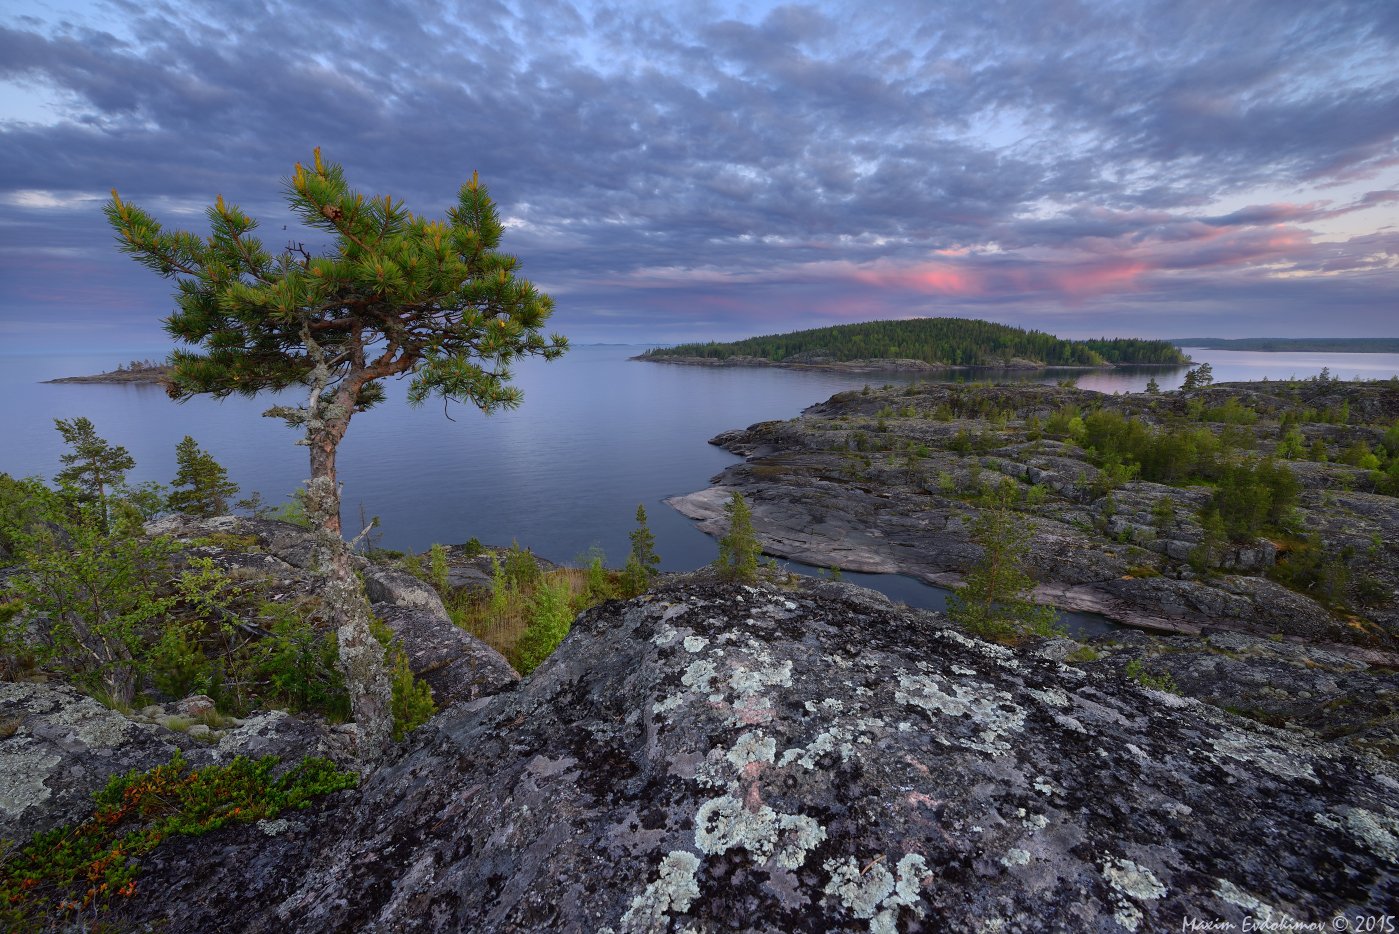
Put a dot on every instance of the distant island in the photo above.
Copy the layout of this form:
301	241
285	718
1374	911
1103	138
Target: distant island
921	344
1294	344
137	371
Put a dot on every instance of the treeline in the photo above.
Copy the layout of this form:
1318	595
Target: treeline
1295	344
939	341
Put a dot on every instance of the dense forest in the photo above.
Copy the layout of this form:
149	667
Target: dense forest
944	341
1295	344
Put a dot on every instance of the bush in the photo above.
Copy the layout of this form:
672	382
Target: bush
411	701
550	618
65	876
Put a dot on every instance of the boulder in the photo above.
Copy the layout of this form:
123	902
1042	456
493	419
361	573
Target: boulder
717	757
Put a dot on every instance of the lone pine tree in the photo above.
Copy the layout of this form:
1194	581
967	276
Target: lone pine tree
394	294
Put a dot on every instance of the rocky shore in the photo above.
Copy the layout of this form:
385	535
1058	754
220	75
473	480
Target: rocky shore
889	480
873	366
141	374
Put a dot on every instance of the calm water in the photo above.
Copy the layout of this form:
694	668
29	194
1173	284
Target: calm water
597	435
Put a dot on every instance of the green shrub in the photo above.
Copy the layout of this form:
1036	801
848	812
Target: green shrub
411	700
643	564
71	875
521	568
550	617
1161	682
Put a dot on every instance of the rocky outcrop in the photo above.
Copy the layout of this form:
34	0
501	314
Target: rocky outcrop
722	757
888	481
61	746
281	557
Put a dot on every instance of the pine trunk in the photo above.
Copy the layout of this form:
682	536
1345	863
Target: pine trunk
361	655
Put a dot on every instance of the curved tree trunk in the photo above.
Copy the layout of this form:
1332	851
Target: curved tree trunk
361	655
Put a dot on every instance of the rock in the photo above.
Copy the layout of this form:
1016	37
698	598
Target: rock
64	748
194	705
889	481
722	757
455	664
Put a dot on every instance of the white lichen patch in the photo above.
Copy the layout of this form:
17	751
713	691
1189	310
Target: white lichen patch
694	644
1015	857
1051	698
22	773
840	738
1237	897
1044	786
963	671
997	653
1132	880
871	892
754	681
750	748
674	890
992	712
666	636
830	704
668	704
1380	832
674	610
699	677
1243	749
724	824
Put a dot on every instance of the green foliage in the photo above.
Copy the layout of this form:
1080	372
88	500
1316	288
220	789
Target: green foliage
412	702
521	568
1161	682
437	568
738	547
1309	567
93	467
550	616
1084	653
75	872
293	510
1292	446
16	514
93	573
434	298
993	602
1230	412
1199	377
643	564
950	341
1251	497
296	666
599	586
201	486
1152	386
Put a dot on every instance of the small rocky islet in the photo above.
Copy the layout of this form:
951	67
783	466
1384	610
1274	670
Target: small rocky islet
800	754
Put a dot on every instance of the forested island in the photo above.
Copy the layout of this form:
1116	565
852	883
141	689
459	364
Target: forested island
922	343
1294	344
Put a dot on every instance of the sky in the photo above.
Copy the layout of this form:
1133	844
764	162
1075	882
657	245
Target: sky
697	170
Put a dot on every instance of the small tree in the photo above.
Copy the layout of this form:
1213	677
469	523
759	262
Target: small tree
642	562
92	572
993	602
395	294
1202	375
201	486
1152	386
738	547
93	467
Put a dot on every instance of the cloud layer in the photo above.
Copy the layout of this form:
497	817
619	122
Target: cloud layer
711	171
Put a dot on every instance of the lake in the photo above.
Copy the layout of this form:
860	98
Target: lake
597	434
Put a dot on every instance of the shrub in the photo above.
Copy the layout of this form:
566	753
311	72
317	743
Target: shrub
411	701
550	618
1161	682
642	561
66	875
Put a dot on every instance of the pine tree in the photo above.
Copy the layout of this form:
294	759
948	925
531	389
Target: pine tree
202	487
1152	386
94	467
738	547
642	562
395	294
993	602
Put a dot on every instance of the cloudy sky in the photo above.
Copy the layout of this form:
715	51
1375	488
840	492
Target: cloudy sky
711	170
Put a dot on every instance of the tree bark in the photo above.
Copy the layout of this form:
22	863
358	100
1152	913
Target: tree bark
361	656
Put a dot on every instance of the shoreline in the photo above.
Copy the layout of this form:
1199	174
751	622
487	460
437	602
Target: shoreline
889	366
